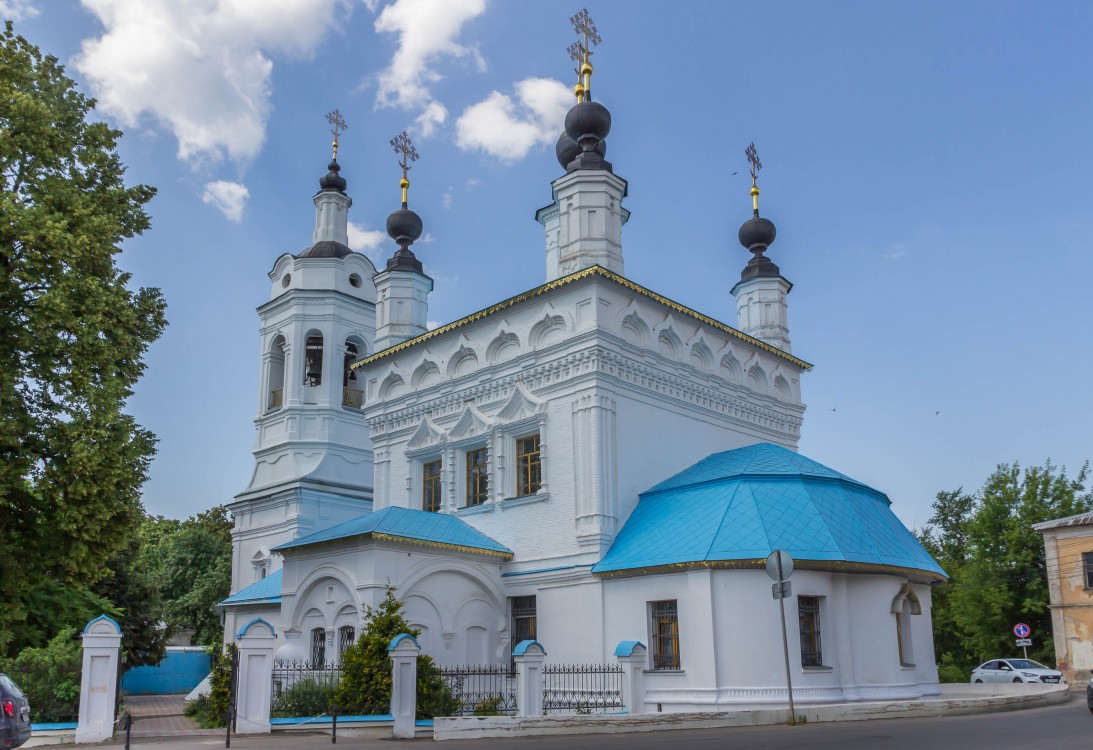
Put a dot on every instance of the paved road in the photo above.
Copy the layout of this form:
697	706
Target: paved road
1065	727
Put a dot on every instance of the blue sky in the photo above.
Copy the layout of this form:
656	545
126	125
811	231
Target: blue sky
928	165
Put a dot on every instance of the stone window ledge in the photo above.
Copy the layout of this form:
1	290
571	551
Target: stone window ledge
512	502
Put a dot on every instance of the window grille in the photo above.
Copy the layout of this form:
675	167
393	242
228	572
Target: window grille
1087	560
430	486
346	636
529	468
522	609
808	613
664	627
477	477
318	646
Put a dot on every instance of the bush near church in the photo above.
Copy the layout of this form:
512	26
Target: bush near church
366	668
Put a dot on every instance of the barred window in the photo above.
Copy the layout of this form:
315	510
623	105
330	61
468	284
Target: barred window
522	609
318	646
528	465
478	470
808	613
664	634
1087	560
430	486
346	635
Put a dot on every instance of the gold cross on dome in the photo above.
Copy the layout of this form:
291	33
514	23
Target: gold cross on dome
753	160
403	145
337	127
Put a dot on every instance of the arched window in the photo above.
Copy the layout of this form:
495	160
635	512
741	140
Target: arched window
352	395
346	635
313	360
318	647
904	606
276	374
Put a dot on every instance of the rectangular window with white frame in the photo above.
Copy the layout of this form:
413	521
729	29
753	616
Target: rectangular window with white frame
529	467
431	500
477	477
664	634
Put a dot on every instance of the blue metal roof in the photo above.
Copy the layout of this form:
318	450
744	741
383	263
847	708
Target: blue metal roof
412	525
266	591
744	504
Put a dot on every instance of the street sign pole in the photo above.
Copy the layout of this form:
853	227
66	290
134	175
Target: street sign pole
785	647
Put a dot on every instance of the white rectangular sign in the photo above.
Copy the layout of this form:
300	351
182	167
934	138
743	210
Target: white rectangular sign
1024	641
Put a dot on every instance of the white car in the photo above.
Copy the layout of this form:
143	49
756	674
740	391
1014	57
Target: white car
1016	670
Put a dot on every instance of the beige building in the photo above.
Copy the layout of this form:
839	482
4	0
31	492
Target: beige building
1068	546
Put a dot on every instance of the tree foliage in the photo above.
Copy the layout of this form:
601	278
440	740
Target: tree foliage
996	563
366	668
72	338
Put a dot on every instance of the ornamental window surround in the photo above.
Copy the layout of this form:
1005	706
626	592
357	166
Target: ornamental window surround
904	606
664	635
529	468
477	476
431	497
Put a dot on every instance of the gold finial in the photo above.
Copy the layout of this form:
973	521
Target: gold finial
403	145
337	127
756	165
581	50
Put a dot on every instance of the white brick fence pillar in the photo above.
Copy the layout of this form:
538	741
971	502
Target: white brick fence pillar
633	660
529	657
255	642
404	650
99	681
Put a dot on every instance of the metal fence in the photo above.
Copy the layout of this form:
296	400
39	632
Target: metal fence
53	690
303	688
582	688
482	689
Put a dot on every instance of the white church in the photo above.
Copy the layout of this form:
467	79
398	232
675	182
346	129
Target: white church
584	463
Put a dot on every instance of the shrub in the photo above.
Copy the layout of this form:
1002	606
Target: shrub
365	686
307	697
489	706
50	677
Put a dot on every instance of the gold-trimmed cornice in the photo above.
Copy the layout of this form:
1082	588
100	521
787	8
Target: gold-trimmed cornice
570	279
829	566
381	537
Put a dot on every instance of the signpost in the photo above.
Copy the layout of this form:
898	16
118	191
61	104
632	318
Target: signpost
779	567
1023	631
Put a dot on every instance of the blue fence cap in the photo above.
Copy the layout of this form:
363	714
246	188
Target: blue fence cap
398	639
256	621
523	646
101	618
626	648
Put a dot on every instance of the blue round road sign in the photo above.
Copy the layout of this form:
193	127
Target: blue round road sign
1021	630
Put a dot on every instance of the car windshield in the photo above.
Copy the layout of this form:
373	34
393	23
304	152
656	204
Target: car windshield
1026	664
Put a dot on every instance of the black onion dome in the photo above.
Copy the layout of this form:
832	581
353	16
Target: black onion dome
326	249
588	120
332	180
404	226
566	149
757	232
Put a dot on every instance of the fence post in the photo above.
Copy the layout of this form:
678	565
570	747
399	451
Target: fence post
529	657
403	651
255	643
633	660
99	680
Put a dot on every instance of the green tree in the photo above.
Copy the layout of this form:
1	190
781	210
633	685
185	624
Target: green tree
72	338
995	559
366	668
196	574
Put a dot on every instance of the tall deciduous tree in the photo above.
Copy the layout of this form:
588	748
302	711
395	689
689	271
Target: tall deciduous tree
72	338
998	574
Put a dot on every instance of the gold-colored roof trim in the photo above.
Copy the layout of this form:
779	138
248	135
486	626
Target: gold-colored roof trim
831	566
570	279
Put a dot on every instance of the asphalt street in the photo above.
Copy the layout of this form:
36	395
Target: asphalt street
1065	727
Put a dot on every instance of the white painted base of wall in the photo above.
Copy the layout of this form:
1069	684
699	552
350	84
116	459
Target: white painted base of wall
955	700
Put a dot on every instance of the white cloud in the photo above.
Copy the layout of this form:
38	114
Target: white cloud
507	128
229	197
427	32
432	324
446	199
430	118
17	10
473	182
361	239
201	68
